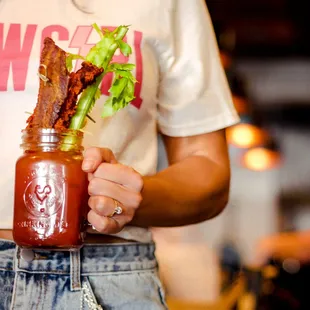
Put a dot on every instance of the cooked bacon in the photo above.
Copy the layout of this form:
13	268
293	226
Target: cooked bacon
53	88
78	81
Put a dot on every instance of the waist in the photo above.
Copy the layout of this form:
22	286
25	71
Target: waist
7	234
94	259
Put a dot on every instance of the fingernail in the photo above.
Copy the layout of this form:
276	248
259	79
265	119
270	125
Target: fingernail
88	165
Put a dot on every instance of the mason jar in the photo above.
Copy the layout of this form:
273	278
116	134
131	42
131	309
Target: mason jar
50	203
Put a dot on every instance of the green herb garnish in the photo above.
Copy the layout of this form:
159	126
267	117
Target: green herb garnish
122	89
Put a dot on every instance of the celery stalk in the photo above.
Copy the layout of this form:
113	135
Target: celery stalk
101	55
87	98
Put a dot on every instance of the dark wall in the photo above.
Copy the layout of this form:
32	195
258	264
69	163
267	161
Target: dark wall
264	27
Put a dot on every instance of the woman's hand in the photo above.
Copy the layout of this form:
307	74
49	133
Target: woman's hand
111	185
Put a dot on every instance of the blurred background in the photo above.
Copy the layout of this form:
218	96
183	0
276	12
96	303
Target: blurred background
255	254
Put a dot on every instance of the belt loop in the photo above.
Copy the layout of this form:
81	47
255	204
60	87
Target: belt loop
16	258
75	270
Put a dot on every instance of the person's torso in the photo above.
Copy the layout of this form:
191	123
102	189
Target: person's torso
131	133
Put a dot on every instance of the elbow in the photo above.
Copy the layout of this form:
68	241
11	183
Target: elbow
220	203
213	204
220	197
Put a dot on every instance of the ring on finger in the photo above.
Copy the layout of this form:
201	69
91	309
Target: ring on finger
117	209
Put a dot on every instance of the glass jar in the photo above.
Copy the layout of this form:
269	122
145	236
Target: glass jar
50	206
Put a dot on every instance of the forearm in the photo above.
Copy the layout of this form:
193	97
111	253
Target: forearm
188	192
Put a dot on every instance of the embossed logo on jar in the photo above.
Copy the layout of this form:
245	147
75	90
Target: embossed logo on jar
44	196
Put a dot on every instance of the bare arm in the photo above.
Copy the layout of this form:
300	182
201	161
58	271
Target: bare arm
193	188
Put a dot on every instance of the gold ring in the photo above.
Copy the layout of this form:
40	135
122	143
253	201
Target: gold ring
117	209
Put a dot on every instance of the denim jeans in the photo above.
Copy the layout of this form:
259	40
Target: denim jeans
110	276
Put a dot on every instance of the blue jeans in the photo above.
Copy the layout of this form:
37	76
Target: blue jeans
110	276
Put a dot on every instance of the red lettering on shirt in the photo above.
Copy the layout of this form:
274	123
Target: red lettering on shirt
16	54
63	33
79	41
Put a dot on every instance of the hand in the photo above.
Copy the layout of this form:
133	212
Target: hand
110	183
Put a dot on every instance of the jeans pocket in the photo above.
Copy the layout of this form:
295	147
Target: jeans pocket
6	288
137	290
161	290
88	298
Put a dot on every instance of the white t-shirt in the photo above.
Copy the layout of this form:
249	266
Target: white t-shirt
182	88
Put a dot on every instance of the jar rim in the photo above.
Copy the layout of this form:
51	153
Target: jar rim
50	138
52	131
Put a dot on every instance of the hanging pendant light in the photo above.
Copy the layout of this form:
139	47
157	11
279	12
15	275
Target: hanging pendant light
246	134
249	143
262	158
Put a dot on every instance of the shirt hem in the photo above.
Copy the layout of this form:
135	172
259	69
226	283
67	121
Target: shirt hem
210	125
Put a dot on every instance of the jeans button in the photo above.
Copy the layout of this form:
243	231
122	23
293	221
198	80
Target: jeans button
27	255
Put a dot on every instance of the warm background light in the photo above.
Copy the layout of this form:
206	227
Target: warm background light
260	159
225	59
245	135
241	104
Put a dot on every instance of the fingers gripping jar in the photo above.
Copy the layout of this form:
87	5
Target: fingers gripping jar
50	205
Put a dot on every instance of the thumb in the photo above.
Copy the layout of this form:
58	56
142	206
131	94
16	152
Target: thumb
94	156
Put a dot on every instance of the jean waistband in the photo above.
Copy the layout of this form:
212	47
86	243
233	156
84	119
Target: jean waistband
94	259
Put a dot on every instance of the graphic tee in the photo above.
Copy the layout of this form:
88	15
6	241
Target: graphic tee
181	90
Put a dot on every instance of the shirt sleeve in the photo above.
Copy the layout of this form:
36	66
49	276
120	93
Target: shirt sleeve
194	96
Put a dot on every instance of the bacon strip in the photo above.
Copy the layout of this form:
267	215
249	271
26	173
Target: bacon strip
53	91
78	81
